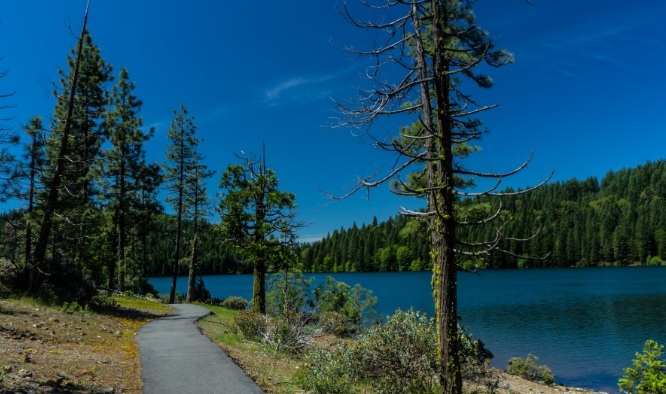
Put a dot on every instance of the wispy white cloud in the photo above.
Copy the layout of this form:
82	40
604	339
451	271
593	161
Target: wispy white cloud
609	40
303	88
276	91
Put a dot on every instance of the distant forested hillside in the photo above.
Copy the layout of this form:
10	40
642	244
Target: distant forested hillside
621	220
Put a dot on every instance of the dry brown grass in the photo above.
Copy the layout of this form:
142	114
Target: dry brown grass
46	349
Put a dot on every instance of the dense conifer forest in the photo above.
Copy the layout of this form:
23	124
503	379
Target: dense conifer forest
618	221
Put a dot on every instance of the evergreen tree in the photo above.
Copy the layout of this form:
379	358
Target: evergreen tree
78	157
183	167
435	47
125	168
196	204
32	167
147	210
74	141
257	218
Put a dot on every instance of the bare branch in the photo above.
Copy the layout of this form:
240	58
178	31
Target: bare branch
417	214
483	193
529	189
369	183
484	220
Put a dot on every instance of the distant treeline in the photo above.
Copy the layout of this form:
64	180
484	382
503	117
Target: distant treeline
620	221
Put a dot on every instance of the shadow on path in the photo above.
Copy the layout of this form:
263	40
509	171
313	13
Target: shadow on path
177	358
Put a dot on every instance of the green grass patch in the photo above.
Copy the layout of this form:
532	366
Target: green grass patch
271	370
142	304
219	325
224	314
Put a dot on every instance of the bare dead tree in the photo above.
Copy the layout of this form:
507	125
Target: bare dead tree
424	63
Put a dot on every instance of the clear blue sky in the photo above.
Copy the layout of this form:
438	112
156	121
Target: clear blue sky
585	93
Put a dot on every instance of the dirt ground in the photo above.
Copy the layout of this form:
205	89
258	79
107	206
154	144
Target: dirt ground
50	350
513	384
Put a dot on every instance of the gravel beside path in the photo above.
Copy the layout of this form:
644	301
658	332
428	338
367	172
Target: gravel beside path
177	358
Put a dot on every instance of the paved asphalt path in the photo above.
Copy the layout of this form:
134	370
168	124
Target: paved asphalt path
177	358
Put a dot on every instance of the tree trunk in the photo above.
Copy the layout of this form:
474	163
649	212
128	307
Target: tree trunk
259	288
111	263
179	218
260	268
121	231
445	282
54	187
122	209
191	278
174	264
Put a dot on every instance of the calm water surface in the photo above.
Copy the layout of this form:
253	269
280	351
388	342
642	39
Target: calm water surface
586	324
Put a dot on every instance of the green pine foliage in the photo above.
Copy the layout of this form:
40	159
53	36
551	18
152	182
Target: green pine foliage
258	220
582	223
386	246
76	213
125	181
648	375
618	221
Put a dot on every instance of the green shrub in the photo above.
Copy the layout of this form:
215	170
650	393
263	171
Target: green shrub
648	375
400	356
235	303
288	293
527	368
289	333
328	371
103	302
180	298
340	309
356	303
71	307
475	364
250	324
397	357
335	323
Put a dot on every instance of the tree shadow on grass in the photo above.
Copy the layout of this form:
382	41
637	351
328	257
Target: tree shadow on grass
130	313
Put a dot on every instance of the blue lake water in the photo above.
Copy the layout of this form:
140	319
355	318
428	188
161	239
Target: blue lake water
586	324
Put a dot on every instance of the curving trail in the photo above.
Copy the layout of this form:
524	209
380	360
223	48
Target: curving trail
177	358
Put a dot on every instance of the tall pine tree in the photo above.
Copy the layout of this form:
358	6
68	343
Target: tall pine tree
31	169
257	218
427	63
183	170
124	167
72	148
